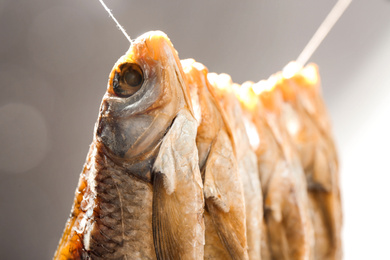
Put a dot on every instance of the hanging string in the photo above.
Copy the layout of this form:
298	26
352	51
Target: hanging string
116	21
322	31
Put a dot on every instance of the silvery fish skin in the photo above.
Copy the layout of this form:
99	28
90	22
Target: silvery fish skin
312	137
140	195
225	217
288	225
247	162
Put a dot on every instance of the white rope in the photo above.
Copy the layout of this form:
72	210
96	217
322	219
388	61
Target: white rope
115	20
322	31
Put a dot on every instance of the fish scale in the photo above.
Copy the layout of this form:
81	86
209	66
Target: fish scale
109	234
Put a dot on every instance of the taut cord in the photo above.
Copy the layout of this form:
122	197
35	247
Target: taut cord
115	20
323	31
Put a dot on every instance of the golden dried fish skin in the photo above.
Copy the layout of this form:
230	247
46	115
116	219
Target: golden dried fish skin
313	138
186	164
140	194
247	162
225	205
288	226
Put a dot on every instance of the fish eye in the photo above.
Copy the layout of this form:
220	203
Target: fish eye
128	80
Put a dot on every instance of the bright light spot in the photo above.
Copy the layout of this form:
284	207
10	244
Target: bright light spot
199	66
310	74
293	124
260	86
291	69
236	89
247	85
221	81
245	95
272	81
196	105
225	80
212	78
187	64
267	85
253	135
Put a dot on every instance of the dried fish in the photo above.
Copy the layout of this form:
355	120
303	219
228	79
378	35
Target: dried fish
224	196
186	164
288	227
140	195
313	139
247	162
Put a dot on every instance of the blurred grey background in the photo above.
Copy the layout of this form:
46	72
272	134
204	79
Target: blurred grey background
55	57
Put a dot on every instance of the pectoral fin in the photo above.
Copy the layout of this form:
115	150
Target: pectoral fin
178	228
224	197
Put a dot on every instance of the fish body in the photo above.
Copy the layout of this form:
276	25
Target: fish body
312	136
185	164
288	225
225	217
247	162
129	204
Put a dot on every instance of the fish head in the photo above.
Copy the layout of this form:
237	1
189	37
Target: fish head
145	92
